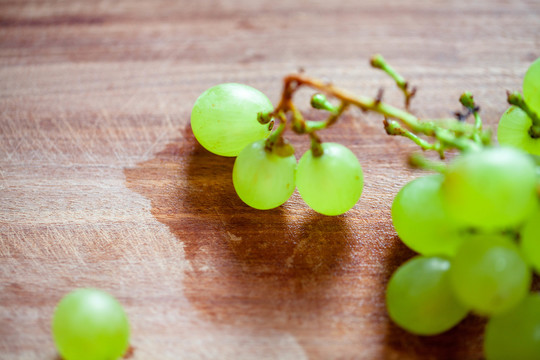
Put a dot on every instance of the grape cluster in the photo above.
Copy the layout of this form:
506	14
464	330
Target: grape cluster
235	120
476	227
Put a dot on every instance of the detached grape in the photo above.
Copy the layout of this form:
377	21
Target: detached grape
89	324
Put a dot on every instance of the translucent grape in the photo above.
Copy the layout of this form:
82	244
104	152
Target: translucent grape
489	275
530	241
531	86
89	324
224	118
262	179
330	184
420	220
513	130
516	333
491	188
419	297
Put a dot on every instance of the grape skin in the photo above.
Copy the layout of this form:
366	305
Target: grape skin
420	220
494	188
419	297
89	324
530	240
513	130
263	179
330	184
224	118
531	86
489	275
516	333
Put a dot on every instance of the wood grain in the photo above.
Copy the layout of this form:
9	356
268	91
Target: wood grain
102	183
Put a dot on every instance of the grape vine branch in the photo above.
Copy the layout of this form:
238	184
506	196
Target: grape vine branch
448	133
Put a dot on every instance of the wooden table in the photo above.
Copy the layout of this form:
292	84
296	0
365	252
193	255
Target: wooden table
102	183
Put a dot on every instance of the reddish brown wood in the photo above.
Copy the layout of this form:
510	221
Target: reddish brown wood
102	183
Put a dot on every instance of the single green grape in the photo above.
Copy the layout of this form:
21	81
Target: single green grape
530	241
332	183
419	297
224	118
513	130
420	219
89	324
489	275
516	333
531	86
263	179
491	188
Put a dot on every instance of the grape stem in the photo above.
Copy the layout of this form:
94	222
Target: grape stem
447	133
515	98
378	62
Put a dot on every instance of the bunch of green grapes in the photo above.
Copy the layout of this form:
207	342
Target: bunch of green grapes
226	120
89	324
476	227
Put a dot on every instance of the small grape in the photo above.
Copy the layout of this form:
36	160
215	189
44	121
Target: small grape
489	275
224	118
420	219
531	86
419	297
332	183
530	241
263	179
513	130
491	188
89	324
516	333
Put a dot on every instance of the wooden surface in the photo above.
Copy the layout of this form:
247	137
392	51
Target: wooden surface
102	183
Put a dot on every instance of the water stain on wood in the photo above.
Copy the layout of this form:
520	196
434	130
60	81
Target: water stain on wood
319	278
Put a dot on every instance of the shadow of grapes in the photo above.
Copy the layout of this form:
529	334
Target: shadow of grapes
247	265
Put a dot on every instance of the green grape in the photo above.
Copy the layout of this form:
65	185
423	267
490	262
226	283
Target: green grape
89	324
491	188
531	86
420	220
332	183
263	179
513	130
419	297
489	275
224	118
516	333
530	241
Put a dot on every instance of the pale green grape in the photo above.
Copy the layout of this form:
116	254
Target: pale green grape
420	220
515	335
489	275
89	324
263	179
330	184
530	241
513	130
491	188
531	86
419	297
224	118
